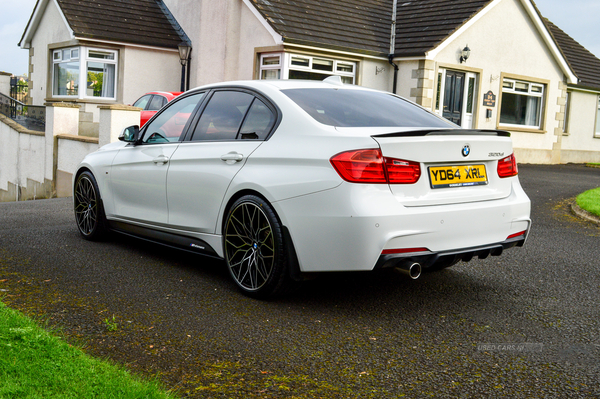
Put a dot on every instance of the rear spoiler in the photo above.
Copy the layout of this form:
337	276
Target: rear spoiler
447	132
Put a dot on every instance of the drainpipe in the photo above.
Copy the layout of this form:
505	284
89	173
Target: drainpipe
188	68
391	58
393	46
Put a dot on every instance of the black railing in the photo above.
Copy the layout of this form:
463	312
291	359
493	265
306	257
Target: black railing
19	90
14	106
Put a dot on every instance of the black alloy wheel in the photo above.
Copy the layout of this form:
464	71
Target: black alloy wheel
254	248
89	213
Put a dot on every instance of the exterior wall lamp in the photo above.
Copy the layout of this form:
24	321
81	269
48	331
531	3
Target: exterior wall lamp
184	56
464	54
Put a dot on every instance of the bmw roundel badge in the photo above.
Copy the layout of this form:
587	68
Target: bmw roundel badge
466	150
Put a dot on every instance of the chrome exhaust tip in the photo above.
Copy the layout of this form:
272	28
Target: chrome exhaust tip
410	269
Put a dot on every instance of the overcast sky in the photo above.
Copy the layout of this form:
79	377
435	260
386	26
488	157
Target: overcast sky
580	19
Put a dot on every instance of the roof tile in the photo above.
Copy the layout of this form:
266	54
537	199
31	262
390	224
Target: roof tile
583	63
130	21
365	25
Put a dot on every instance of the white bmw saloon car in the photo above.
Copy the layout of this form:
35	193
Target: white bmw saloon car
282	179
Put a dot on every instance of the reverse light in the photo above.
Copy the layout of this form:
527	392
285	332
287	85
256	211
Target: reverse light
369	166
507	167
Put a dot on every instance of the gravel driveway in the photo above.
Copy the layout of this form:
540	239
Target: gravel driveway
521	325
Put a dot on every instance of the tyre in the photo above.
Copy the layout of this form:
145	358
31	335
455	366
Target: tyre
89	212
255	249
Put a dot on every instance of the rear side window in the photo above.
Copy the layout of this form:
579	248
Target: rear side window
358	108
156	103
223	117
258	122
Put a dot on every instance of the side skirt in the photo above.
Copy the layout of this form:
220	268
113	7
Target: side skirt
189	244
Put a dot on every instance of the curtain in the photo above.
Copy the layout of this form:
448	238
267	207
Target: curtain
532	111
108	80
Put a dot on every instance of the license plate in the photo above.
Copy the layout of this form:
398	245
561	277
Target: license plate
457	176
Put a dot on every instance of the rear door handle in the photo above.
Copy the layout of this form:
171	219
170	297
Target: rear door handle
161	159
232	157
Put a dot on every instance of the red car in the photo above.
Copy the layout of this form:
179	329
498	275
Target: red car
152	102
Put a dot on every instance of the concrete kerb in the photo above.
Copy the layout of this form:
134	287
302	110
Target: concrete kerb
584	214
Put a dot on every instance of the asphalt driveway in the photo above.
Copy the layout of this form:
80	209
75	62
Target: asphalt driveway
524	324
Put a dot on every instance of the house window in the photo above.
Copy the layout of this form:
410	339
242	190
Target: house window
317	68
65	81
597	133
522	104
83	72
101	73
270	66
295	66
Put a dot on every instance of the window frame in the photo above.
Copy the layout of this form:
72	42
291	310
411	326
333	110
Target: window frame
205	100
58	58
532	83
81	55
286	64
270	67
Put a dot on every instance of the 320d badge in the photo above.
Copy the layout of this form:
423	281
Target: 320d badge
283	178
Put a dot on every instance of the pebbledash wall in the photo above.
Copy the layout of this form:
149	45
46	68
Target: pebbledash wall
35	165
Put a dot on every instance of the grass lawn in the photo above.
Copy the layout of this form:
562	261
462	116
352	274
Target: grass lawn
590	201
36	364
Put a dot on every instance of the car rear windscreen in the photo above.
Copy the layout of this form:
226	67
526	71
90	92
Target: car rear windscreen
361	108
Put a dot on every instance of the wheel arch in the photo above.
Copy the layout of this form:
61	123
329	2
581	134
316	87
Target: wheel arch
76	175
231	201
80	171
292	257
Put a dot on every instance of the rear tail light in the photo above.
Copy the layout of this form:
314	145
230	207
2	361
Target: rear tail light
369	166
402	172
362	166
507	167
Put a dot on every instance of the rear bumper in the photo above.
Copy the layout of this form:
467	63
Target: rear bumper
428	259
362	227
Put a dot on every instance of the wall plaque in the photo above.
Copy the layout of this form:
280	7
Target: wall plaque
489	99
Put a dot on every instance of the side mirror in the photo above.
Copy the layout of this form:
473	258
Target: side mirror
130	134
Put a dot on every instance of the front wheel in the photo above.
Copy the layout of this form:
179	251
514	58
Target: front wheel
89	212
254	248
